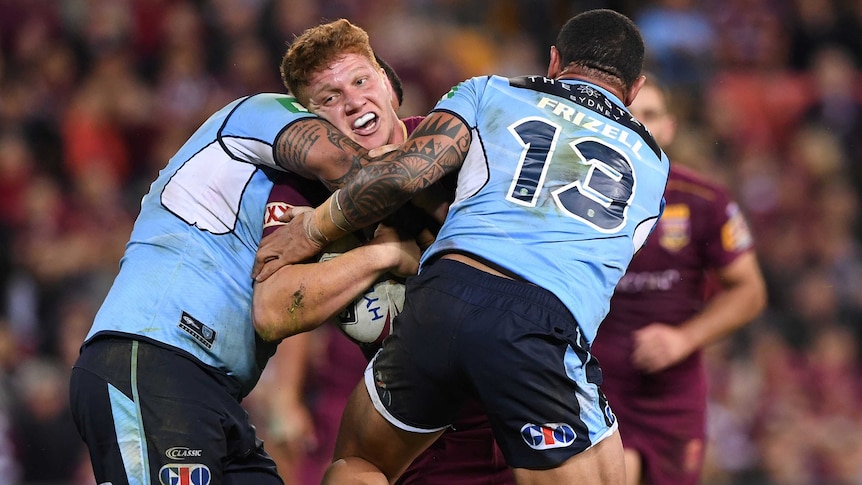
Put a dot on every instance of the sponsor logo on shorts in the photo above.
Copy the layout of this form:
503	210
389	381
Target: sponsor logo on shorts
179	474
203	334
548	435
181	453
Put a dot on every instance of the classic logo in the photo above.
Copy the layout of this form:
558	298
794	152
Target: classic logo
203	334
181	453
548	435
177	474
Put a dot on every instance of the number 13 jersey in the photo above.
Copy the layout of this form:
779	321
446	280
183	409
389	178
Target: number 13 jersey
561	186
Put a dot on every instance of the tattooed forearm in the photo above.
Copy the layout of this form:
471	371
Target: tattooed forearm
355	157
437	147
315	149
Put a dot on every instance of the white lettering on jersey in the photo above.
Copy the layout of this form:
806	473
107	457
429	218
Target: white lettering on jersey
576	117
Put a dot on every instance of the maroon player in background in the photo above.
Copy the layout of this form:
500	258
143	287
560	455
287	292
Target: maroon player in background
649	346
344	84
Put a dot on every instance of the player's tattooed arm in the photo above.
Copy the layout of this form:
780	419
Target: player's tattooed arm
314	149
438	146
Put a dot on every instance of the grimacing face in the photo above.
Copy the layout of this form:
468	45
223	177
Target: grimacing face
650	108
354	95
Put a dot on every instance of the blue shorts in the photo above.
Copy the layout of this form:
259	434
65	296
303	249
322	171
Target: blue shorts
466	333
151	415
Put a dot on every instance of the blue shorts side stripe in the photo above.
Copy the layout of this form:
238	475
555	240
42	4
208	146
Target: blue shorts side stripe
595	412
129	423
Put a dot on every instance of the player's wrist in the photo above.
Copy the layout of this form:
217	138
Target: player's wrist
391	259
336	215
378	256
311	225
328	222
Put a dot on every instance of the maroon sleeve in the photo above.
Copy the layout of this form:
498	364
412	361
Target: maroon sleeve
701	230
730	236
290	190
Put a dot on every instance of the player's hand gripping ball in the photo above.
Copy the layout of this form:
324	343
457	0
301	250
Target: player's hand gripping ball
368	320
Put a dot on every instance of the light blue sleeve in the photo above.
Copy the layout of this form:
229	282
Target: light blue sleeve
250	131
463	100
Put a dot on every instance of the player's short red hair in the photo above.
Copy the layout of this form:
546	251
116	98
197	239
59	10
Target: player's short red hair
319	46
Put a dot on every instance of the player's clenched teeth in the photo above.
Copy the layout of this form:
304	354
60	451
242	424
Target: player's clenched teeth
365	121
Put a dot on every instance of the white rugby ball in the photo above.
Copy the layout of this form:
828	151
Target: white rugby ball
368	320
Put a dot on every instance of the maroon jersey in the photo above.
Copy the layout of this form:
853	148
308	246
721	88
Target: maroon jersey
412	122
290	190
662	415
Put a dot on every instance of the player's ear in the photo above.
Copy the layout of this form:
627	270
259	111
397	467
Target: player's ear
554	67
634	90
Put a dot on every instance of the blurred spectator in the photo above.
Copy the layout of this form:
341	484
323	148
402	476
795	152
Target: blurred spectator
250	67
836	106
45	437
10	463
680	43
17	166
751	34
753	109
821	23
91	137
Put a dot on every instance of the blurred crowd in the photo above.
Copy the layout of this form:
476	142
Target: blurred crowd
96	95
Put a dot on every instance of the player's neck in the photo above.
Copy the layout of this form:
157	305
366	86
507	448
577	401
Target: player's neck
399	133
615	90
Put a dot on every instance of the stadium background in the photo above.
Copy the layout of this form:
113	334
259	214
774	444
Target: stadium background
95	95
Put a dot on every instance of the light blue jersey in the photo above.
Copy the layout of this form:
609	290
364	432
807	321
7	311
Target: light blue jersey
560	187
185	278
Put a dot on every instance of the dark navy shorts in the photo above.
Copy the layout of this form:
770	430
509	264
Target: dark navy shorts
513	345
150	415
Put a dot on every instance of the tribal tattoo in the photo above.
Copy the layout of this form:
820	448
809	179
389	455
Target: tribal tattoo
315	149
438	146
